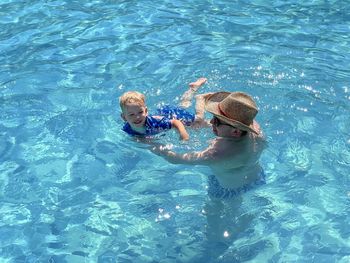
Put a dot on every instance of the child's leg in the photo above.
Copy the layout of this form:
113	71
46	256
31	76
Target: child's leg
187	97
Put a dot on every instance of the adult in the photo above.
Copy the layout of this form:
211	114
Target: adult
233	155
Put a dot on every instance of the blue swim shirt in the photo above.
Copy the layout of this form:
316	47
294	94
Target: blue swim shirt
153	126
157	125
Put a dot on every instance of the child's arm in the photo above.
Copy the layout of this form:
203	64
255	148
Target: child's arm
181	129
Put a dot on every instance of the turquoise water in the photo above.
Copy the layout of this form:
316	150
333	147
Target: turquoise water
74	188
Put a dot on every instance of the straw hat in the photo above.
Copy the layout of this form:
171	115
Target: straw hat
234	108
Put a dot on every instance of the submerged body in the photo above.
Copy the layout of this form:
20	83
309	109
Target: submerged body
233	161
238	158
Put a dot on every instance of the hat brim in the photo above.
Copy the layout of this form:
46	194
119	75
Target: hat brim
211	105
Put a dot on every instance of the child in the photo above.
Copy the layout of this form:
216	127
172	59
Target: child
139	123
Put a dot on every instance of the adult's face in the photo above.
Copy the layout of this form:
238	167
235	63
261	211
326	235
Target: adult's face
222	129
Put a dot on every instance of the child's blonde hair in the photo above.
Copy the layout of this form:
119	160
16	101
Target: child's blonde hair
132	97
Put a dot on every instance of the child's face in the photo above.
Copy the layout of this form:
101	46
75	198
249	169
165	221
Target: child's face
134	114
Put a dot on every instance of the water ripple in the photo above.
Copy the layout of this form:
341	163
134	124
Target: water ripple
85	192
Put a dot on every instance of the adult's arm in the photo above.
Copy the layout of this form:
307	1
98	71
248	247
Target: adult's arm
205	157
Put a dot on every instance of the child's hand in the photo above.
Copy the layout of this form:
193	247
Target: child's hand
185	137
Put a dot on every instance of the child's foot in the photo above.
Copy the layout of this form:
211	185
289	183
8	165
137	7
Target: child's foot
188	95
199	82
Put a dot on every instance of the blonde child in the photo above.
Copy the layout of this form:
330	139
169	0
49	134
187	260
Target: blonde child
139	123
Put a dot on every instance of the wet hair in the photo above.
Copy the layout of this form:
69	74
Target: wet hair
132	97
